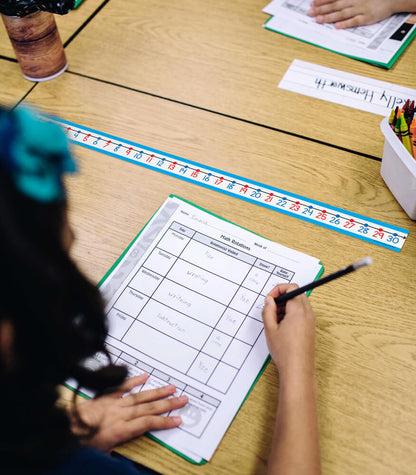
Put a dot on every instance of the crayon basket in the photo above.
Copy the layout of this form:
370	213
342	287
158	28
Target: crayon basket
398	169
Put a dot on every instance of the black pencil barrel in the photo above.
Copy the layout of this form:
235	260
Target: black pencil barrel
290	295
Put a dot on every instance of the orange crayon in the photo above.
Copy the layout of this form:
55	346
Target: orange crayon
412	132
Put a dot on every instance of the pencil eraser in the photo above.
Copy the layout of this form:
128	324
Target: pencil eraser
363	262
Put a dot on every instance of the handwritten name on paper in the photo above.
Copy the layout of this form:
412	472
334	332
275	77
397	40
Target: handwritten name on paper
343	88
372	96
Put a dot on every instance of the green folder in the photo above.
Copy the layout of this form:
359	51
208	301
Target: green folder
113	268
386	65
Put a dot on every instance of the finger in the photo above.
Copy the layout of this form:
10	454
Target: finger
318	3
156	407
332	7
149	395
282	289
320	7
129	384
273	314
144	424
299	307
358	20
268	313
337	16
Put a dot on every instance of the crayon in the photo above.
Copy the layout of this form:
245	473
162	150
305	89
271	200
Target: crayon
411	111
411	115
392	116
397	113
404	133
397	125
408	115
412	131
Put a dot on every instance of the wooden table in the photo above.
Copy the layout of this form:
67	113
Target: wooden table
366	323
365	367
14	86
216	55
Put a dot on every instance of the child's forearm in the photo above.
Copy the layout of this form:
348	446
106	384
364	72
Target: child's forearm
399	6
295	448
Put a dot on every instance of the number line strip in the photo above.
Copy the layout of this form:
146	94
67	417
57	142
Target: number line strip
330	217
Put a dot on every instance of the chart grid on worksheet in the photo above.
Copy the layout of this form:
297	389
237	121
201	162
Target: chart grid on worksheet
184	304
172	301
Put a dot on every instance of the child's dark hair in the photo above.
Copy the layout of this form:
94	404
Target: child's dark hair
57	318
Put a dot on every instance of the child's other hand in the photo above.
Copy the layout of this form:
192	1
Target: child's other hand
349	13
119	419
292	341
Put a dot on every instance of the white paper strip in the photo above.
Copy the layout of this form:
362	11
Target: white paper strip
339	87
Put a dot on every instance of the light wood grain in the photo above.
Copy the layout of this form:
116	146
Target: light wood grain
67	25
14	86
216	55
366	367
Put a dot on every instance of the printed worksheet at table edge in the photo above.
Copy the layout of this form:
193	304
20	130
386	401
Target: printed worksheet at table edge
117	262
374	63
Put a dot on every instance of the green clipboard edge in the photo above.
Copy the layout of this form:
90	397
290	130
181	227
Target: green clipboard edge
77	2
112	268
374	63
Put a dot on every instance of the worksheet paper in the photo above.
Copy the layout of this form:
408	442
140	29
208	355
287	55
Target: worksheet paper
184	305
343	88
378	43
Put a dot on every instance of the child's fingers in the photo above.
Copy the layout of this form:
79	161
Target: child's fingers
282	289
330	12
318	3
324	6
148	395
335	17
137	427
358	20
131	383
157	407
269	313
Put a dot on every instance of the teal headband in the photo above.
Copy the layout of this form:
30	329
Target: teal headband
35	153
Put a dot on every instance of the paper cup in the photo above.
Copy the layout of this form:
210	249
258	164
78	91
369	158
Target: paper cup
37	44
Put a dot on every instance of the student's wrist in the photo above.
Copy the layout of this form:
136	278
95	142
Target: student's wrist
297	365
295	391
297	378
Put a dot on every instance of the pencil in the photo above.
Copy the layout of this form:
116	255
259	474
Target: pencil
345	270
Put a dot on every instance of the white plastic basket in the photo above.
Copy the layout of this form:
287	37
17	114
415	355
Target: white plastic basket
398	169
